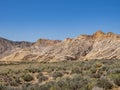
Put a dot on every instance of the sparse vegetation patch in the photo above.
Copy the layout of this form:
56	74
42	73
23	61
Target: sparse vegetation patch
67	75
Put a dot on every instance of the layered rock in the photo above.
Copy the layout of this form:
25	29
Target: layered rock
106	46
97	46
7	47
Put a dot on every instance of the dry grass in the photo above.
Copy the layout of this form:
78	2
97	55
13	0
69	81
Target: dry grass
72	75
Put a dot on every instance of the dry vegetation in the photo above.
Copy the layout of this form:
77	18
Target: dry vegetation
67	75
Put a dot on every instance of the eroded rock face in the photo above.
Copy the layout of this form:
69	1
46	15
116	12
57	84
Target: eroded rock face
97	46
7	47
46	42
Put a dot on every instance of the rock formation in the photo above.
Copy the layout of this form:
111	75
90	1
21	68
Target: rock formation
84	47
8	47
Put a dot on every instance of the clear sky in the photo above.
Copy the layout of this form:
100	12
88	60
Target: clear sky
57	19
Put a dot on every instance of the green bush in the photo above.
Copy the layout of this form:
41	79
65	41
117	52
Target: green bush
3	87
17	79
57	74
76	70
47	86
14	83
33	70
104	68
96	75
26	85
75	83
39	75
33	87
115	71
104	83
93	70
98	65
116	79
86	66
28	77
42	78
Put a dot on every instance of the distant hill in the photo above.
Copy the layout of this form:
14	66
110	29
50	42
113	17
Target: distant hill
100	45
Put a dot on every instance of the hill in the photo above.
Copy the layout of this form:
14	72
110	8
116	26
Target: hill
100	45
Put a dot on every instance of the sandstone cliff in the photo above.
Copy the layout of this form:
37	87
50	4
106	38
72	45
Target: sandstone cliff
7	46
97	46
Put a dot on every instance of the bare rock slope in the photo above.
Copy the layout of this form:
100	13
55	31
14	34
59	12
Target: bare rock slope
7	47
97	46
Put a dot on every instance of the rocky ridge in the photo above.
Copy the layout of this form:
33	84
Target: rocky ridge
84	47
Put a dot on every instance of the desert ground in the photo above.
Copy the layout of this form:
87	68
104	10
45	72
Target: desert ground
65	75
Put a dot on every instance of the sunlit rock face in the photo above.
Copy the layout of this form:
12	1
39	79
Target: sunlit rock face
100	45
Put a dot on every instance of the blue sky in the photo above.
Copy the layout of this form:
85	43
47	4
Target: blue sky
57	19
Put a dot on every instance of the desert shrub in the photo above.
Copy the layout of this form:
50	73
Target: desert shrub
104	68
47	86
77	77
98	64
48	68
59	85
75	83
60	68
104	83
33	70
116	79
26	85
17	71
57	74
90	86
116	64
17	79
39	75
76	70
115	71
14	83
97	75
11	88
93	70
10	71
3	87
27	77
86	66
33	87
42	78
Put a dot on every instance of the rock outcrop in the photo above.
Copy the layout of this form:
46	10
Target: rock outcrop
84	47
8	47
